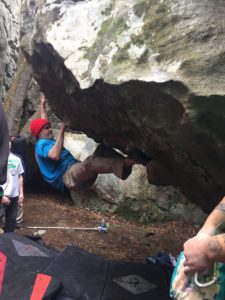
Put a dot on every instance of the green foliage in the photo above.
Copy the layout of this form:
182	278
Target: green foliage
119	26
127	213
143	59
137	40
121	55
141	8
108	10
14	86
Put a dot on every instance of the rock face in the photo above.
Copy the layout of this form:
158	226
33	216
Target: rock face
133	198
9	42
148	74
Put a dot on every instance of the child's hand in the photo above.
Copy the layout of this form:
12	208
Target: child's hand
5	200
21	198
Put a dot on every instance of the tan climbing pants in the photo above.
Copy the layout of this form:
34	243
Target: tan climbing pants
82	175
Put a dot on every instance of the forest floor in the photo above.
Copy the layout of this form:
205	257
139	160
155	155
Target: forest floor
125	240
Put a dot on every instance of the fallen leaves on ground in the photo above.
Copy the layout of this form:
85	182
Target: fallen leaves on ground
127	241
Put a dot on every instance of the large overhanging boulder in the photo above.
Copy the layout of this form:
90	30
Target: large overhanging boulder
148	74
133	198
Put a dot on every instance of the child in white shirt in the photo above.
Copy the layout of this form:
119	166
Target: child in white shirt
13	192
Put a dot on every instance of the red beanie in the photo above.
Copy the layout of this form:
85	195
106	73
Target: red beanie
36	126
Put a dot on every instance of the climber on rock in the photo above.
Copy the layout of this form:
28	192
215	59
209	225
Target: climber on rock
61	169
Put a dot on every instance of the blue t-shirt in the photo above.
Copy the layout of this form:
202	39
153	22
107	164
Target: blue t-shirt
53	170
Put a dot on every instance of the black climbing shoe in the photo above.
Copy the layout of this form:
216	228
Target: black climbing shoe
139	156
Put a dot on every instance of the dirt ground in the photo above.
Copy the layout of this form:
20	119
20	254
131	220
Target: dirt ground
124	240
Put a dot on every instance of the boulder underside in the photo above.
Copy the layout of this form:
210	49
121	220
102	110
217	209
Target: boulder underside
145	74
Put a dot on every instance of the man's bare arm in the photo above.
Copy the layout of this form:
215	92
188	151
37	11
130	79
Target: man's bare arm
221	207
21	194
206	247
56	150
43	107
215	219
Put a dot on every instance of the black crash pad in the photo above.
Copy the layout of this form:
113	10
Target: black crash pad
25	253
73	274
86	276
82	273
128	281
18	284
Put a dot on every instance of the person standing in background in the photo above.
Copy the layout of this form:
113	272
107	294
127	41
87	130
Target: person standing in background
13	192
19	148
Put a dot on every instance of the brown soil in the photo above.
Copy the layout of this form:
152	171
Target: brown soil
125	240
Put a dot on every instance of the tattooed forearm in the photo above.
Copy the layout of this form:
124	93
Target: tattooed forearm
221	207
223	235
215	246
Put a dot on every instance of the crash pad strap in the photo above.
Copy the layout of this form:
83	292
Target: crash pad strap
40	286
2	269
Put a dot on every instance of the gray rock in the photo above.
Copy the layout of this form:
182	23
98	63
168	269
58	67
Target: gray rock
9	42
148	74
133	198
